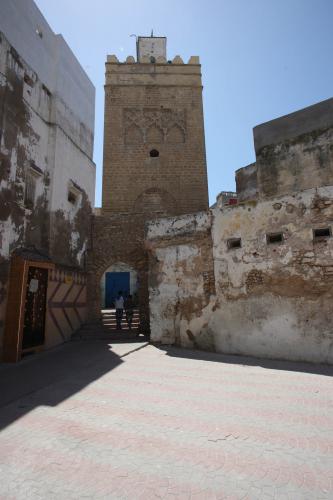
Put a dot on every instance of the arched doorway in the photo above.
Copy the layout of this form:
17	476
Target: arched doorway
118	276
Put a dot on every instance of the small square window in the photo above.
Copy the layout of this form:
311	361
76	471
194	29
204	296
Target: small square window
32	174
322	232
74	193
234	243
72	197
30	189
272	238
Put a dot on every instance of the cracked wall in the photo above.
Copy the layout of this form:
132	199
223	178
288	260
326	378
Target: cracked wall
42	140
262	298
271	300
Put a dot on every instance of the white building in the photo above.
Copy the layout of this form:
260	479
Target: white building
47	175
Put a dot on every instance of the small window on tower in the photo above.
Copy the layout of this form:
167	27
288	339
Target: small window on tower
154	153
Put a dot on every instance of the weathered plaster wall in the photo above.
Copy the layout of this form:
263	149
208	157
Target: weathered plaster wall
296	164
271	300
268	299
49	55
181	277
38	130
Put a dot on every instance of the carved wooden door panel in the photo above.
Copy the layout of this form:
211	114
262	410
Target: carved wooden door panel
35	308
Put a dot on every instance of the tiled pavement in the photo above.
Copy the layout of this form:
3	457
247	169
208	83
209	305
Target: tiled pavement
92	421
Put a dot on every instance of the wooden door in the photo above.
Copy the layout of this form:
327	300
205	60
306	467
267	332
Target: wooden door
35	308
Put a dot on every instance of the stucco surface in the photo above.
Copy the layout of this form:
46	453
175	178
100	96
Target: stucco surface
267	288
44	137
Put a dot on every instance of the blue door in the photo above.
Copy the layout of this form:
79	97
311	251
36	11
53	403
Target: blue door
113	283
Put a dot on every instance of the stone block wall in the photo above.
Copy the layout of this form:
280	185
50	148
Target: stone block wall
117	239
154	108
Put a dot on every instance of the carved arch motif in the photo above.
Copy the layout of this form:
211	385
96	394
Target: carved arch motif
154	135
155	125
175	135
133	135
156	202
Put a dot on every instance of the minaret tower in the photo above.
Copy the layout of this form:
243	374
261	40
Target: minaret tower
154	146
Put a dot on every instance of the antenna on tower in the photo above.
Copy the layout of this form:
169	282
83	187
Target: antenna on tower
152	33
137	47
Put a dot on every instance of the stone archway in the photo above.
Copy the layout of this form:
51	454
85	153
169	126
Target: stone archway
117	239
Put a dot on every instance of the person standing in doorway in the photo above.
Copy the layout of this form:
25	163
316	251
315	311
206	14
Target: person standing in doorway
129	310
119	305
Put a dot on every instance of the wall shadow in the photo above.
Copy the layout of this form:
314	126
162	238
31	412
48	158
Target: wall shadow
48	378
271	364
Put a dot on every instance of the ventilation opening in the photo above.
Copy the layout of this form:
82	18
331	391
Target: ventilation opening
274	238
323	232
154	153
234	243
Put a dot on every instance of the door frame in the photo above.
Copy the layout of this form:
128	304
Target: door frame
128	285
13	333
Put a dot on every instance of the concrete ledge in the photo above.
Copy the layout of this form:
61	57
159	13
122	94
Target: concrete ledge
316	117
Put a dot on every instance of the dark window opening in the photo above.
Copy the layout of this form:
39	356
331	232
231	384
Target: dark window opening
274	238
323	232
154	153
234	243
30	189
72	198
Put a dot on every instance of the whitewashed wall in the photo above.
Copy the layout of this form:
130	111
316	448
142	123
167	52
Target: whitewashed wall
271	300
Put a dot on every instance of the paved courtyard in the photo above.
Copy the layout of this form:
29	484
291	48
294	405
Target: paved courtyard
132	421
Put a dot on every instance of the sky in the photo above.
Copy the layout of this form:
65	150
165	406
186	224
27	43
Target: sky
261	59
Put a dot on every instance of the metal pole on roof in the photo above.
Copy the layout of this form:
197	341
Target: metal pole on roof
137	47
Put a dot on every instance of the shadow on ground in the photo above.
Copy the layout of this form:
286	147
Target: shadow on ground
51	377
271	364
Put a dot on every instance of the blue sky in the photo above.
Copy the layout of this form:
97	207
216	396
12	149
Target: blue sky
260	59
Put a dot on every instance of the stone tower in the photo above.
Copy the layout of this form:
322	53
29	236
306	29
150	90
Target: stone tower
154	146
154	166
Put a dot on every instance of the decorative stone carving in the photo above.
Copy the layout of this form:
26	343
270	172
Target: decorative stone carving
154	125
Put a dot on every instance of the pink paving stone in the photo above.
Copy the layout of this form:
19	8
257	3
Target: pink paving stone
165	424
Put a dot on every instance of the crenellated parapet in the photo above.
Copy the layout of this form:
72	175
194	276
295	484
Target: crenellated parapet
151	71
193	60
